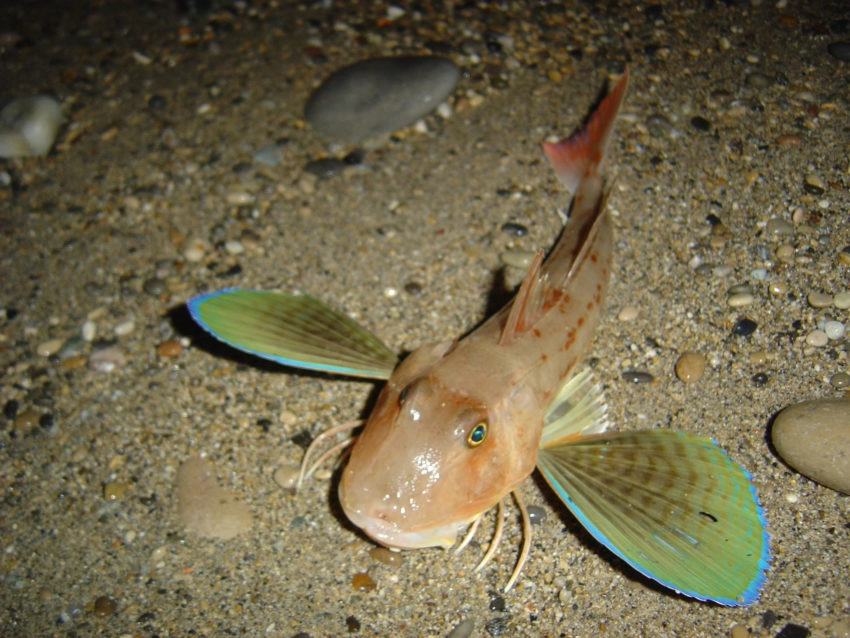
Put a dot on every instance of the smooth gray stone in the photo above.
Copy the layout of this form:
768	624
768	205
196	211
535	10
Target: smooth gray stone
380	95
813	437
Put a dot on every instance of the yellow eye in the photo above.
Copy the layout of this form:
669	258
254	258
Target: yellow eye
477	434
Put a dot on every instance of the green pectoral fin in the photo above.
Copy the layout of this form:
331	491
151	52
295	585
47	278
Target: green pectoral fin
294	330
672	505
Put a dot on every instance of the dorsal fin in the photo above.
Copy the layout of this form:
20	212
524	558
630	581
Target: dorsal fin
527	303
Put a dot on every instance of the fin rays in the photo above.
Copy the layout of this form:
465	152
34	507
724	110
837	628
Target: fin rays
672	505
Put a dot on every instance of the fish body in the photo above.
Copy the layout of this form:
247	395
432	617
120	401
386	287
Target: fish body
414	478
459	425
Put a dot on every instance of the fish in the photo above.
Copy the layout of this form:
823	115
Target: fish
461	424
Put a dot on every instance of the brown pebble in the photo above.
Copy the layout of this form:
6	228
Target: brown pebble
386	556
25	421
739	631
363	582
690	367
113	490
104	606
789	140
170	348
75	362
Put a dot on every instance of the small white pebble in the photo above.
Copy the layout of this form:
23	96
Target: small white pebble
834	329
444	110
627	313
390	292
124	328
817	338
194	249
286	476
234	247
740	300
49	347
240	198
88	330
517	258
792	498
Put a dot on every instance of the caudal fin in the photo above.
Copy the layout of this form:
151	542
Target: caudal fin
578	156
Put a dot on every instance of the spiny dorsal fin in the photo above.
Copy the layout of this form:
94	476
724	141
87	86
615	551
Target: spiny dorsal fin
527	304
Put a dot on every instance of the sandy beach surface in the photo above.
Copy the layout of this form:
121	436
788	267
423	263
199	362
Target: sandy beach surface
730	168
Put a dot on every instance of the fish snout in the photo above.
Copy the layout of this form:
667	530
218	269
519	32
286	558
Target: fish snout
391	528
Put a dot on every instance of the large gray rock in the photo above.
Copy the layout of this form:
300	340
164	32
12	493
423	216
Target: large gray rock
813	437
380	95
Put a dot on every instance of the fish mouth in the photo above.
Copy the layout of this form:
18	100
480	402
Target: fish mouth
389	534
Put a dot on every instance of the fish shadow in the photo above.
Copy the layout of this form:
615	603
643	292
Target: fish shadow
574	528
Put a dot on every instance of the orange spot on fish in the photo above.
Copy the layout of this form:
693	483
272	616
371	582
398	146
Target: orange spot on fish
580	322
535	332
593	257
590	305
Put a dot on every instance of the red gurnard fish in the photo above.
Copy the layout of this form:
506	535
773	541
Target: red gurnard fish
461	424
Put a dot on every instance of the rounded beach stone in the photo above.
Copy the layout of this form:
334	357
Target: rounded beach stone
813	437
380	95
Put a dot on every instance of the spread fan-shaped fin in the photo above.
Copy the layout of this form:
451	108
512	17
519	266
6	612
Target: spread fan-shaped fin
295	330
672	505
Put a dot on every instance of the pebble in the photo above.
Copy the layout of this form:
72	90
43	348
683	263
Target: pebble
514	229
104	606
840	380
325	167
286	476
536	514
834	329
819	300
10	408
517	258
817	338
114	490
690	367
88	330
842	300
637	376
269	155
739	300
48	348
361	581
627	313
170	348
154	286
380	95
700	123
124	328
739	631
194	249
777	288
744	327
107	359
73	347
777	226
28	125
386	556
25	422
813	437
204	507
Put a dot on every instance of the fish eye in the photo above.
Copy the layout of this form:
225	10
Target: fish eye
477	434
403	394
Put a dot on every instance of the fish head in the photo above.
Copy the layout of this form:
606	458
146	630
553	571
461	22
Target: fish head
425	465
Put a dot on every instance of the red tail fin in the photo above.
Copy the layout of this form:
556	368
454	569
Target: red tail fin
579	155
